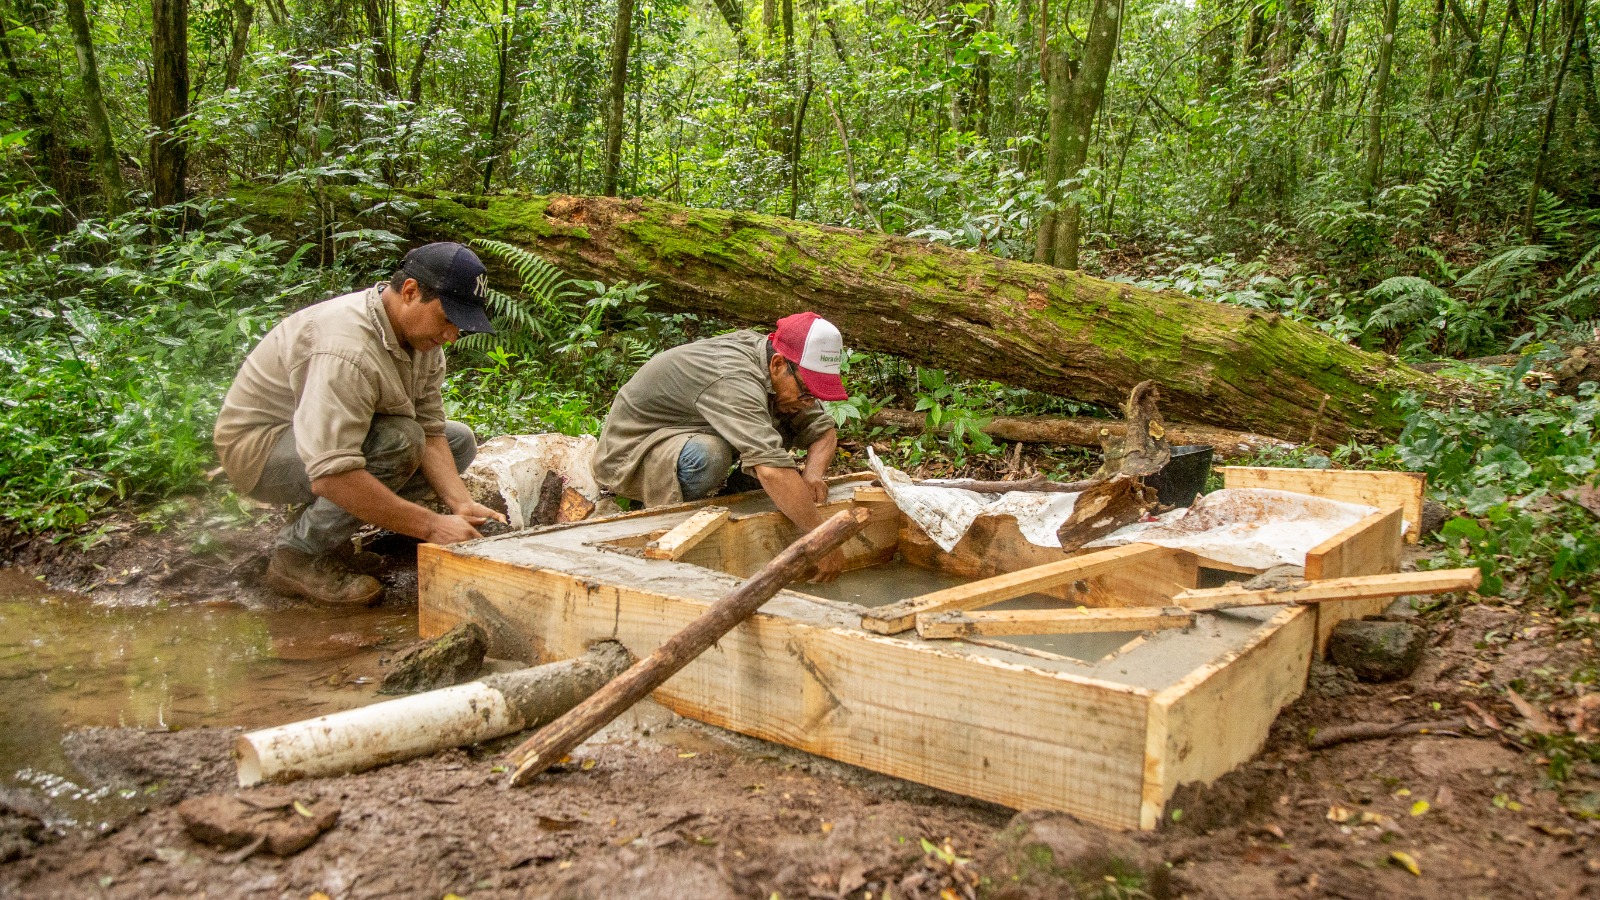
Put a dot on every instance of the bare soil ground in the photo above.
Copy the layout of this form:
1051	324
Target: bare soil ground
660	807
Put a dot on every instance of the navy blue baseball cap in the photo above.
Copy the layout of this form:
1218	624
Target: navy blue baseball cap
459	278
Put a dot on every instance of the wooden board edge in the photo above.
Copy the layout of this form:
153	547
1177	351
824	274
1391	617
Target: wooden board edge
1289	634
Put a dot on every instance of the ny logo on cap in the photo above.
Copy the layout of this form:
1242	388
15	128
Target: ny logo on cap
481	286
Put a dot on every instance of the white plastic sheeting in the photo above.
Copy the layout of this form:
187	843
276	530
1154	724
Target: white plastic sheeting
1251	527
1248	527
514	466
946	513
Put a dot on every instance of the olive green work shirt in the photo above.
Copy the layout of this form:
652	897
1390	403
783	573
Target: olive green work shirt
326	370
718	386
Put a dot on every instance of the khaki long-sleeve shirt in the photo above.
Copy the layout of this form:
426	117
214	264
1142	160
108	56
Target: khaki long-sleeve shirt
326	370
718	386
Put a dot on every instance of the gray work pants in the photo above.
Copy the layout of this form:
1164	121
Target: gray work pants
393	450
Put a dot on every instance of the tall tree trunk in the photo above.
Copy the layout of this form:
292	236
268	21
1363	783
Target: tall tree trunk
1550	119
1437	55
1591	100
621	41
434	27
976	314
1380	93
1220	34
1491	84
243	15
1077	87
169	100
382	56
105	152
797	132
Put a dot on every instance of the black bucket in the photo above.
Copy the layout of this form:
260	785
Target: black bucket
1183	477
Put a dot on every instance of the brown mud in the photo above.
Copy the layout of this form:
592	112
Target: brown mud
113	731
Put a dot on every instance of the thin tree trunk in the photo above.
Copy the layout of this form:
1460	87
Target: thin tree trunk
434	27
796	132
1380	89
1490	85
105	153
1550	120
243	15
382	57
621	41
497	110
850	168
1591	101
1076	91
169	100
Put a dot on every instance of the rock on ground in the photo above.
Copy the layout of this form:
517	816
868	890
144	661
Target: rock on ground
1377	650
451	659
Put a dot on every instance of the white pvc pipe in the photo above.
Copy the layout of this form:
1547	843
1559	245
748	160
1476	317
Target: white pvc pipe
359	739
407	727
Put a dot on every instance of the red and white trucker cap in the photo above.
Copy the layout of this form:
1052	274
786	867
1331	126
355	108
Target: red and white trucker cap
812	343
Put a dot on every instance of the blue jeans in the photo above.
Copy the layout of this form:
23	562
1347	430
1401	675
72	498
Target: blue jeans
393	450
703	466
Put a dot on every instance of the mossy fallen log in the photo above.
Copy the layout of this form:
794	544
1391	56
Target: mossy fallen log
1019	323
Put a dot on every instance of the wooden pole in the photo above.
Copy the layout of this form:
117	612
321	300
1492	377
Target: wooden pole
555	740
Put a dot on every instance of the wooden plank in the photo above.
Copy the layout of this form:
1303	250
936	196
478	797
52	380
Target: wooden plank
1371	546
871	493
999	623
749	542
1385	490
1014	735
898	617
1360	587
1219	715
683	537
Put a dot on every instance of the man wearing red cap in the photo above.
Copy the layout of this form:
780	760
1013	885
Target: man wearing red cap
681	422
339	408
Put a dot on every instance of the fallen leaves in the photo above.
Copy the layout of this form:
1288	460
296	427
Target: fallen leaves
1420	807
1406	861
1536	720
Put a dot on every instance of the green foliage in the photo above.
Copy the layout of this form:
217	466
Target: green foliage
120	349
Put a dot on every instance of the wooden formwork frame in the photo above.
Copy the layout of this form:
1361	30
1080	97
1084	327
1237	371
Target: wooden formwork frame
980	719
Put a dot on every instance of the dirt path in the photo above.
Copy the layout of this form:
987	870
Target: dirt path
656	806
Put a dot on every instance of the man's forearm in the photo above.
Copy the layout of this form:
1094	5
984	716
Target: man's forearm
439	468
819	456
361	495
791	494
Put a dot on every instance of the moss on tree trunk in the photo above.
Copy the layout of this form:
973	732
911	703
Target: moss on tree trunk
1019	323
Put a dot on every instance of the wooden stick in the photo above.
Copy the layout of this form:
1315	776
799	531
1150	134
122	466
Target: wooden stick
686	534
1360	587
998	623
1368	731
555	740
902	616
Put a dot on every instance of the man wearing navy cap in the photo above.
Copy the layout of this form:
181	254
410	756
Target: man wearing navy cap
339	407
678	426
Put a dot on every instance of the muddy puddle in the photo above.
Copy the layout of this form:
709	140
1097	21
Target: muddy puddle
898	580
68	663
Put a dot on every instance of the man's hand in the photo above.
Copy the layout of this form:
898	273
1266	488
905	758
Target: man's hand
476	513
451	530
828	568
819	488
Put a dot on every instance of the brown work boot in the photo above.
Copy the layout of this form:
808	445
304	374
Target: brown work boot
320	579
355	559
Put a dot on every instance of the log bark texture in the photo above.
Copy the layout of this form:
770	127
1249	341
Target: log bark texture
1020	323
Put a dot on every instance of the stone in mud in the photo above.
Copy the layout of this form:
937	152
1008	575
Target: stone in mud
282	824
1377	650
451	659
1047	854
